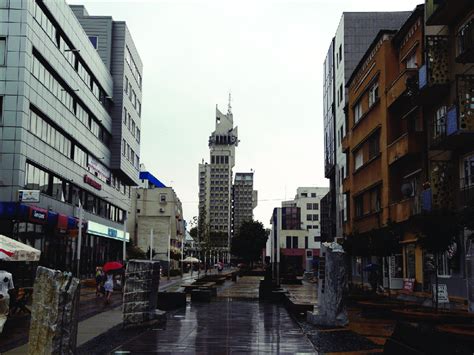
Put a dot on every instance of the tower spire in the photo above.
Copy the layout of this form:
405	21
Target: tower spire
229	107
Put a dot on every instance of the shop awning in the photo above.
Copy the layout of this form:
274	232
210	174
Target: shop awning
13	250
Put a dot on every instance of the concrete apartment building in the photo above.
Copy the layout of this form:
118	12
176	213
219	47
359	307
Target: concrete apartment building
244	200
62	104
296	229
215	177
355	32
157	220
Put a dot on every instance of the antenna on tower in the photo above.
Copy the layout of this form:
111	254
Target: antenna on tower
229	108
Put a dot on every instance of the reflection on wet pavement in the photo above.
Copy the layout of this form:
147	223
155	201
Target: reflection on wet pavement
222	327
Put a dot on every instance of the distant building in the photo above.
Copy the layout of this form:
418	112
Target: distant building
244	200
215	178
296	227
157	212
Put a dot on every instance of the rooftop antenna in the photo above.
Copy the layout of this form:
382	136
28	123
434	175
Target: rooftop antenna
229	108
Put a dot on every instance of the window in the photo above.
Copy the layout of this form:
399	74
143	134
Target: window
309	253
163	197
340	94
308	217
357	112
138	135
358	159
340	52
315	206
37	179
374	147
139	108
94	41
3	50
359	206
313	194
124	147
288	242
467	171
1	109
309	206
125	116
443	265
410	62
133	130
439	124
317	239
295	242
375	200
315	217
373	94
304	194
306	243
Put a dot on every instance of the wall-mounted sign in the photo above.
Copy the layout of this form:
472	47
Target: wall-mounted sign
442	293
28	196
38	215
90	181
106	231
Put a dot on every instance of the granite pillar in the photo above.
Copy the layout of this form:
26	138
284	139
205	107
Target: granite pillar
142	280
330	310
53	326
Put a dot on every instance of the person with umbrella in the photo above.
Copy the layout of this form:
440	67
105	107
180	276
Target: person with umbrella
109	269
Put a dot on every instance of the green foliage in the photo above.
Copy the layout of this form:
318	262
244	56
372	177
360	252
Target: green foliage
439	230
250	241
194	233
134	252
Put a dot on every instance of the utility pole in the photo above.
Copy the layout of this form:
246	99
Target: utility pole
79	241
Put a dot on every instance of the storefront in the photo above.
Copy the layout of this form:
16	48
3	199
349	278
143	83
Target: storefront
100	244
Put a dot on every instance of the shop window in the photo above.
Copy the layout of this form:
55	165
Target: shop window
396	266
410	268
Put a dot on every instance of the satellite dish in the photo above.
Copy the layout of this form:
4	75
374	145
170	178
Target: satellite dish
407	189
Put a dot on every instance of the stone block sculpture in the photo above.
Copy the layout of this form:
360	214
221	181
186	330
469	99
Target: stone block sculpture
142	280
331	309
53	326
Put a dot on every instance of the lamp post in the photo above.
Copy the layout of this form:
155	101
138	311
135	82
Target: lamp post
79	241
124	244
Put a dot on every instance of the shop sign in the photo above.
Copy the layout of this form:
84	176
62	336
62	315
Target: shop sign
442	293
106	231
38	215
408	285
29	196
90	181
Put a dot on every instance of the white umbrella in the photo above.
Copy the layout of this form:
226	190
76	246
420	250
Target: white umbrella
13	250
191	259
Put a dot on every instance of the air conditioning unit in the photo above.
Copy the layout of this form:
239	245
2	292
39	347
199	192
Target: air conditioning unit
162	210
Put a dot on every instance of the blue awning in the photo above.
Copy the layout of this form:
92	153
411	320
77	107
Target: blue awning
145	175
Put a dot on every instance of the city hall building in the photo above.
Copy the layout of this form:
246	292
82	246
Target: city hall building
70	107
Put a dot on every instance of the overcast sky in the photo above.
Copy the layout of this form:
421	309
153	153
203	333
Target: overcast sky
269	54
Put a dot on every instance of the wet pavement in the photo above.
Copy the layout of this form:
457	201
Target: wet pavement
222	327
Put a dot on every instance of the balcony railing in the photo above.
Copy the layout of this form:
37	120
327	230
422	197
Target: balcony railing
404	209
403	84
456	127
465	39
407	144
435	71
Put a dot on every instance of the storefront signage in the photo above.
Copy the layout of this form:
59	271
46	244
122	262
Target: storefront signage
442	293
90	181
408	285
106	231
28	196
38	215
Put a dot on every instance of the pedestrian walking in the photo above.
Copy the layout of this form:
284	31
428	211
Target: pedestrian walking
99	280
6	286
109	288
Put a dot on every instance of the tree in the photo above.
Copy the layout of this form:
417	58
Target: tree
134	252
438	232
249	241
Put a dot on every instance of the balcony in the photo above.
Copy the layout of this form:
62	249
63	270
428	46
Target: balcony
456	128
433	75
402	211
402	88
445	12
406	145
465	40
